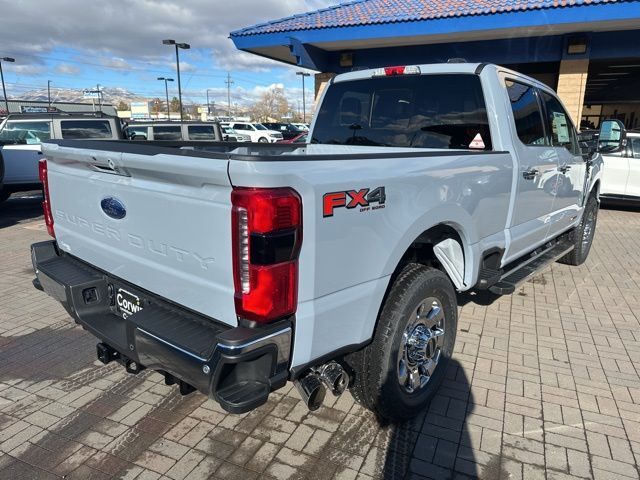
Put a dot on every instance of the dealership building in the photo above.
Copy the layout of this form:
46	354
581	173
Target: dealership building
587	50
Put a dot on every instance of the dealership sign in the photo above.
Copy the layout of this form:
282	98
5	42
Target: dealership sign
35	109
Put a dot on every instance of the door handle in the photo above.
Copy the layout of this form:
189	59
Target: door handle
565	168
530	174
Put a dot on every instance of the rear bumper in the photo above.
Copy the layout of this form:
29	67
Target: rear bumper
238	366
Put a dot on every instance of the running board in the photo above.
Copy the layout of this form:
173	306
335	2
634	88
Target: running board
522	272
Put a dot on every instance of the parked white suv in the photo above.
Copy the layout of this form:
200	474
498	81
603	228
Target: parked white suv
257	132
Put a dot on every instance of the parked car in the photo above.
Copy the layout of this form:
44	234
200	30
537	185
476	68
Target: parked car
288	130
621	174
300	138
230	135
302	126
175	131
257	132
333	266
22	134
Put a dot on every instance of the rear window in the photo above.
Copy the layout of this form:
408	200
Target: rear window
29	133
201	132
136	132
167	133
423	111
78	129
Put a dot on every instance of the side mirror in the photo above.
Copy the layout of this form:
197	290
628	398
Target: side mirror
612	136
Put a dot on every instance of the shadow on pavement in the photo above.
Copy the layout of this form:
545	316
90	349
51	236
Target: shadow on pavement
20	207
620	206
438	443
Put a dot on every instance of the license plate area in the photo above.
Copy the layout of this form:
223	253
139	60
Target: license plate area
128	303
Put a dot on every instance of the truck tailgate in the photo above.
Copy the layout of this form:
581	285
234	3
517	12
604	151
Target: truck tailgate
174	238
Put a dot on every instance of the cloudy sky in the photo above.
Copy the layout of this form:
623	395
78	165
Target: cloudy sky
118	43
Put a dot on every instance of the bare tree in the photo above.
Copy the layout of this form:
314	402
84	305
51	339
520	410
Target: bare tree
272	105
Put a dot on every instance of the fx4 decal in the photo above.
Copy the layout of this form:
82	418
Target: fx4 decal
363	198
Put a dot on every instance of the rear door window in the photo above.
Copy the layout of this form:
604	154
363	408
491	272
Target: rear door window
419	111
29	133
526	113
201	132
82	129
172	133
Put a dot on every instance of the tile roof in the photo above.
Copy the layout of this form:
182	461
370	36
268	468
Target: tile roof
372	12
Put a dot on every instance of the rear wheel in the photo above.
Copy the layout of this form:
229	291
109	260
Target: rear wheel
582	235
398	373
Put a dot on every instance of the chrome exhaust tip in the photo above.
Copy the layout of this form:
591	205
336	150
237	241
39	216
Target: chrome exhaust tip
334	377
311	390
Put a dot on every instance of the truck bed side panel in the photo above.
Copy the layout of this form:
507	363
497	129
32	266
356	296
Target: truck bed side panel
355	250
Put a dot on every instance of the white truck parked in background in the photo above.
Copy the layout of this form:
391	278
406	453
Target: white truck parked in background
334	265
22	134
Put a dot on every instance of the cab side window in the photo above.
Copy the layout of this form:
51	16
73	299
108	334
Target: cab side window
526	113
559	125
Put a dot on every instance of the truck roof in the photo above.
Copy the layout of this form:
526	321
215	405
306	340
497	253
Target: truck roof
431	68
60	115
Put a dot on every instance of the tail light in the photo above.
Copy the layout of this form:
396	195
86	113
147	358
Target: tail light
46	204
267	235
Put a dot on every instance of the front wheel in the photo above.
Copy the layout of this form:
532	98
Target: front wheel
582	235
398	373
262	140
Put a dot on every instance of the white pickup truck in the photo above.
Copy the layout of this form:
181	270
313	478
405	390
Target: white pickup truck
335	264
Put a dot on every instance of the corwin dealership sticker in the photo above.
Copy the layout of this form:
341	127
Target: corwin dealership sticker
127	303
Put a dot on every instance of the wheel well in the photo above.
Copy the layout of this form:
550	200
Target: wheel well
421	250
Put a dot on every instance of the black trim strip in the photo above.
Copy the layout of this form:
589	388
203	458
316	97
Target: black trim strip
480	67
220	151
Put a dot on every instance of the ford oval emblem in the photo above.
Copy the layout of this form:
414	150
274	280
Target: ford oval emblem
113	208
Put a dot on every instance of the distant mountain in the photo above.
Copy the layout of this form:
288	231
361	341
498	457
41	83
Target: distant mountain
109	95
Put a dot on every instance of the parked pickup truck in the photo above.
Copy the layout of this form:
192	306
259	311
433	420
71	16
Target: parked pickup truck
22	134
232	270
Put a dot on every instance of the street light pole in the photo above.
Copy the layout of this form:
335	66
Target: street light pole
229	82
184	46
4	90
166	91
99	97
208	105
304	100
49	92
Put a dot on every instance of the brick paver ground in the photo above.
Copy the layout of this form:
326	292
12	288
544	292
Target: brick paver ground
545	383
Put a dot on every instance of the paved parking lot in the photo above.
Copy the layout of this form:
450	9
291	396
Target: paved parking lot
544	383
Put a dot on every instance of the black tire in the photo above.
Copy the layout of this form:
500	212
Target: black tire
582	235
375	369
4	195
262	140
